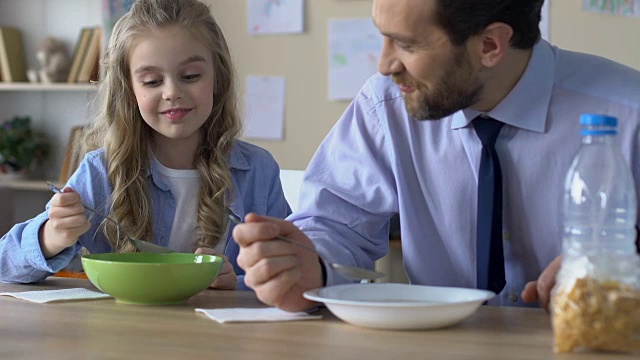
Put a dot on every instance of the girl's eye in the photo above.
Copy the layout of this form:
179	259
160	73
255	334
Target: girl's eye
151	83
191	77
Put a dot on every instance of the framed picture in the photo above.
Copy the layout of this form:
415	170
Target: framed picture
73	155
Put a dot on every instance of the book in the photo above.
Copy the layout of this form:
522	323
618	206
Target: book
12	59
91	58
78	54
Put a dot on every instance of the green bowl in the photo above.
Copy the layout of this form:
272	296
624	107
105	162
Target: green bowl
150	278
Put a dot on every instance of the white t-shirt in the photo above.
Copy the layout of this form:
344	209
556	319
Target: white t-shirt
184	186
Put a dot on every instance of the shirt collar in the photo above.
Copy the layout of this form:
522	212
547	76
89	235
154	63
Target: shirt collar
527	104
237	161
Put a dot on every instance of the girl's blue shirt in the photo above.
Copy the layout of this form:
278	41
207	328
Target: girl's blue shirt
256	186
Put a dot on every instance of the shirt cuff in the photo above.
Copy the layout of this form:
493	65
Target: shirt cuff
33	253
240	285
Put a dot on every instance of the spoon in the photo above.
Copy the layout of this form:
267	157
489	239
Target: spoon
350	272
143	246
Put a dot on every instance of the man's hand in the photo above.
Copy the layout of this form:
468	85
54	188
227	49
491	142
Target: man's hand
226	279
67	221
279	272
540	290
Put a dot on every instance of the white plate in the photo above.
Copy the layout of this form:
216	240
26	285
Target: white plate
399	306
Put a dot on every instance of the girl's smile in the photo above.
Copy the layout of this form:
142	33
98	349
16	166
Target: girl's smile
176	114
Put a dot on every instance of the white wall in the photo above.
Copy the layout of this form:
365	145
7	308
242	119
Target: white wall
302	59
614	37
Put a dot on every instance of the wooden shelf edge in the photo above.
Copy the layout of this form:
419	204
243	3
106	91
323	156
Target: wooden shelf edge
23	86
28	185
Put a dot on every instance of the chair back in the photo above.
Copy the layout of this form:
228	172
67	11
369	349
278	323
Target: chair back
291	181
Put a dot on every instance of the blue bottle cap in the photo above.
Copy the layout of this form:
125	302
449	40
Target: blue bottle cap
598	120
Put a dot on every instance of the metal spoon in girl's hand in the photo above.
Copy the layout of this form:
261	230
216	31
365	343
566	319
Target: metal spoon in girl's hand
140	245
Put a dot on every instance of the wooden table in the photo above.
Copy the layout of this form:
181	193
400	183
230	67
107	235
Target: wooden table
104	329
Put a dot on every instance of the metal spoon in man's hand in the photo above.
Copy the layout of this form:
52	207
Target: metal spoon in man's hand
350	272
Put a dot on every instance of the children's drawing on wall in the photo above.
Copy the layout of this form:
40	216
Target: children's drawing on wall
616	7
354	50
268	17
264	107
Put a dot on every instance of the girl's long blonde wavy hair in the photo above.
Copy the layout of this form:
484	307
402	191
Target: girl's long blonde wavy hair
120	129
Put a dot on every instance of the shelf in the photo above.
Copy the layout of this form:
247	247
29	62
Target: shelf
28	185
24	86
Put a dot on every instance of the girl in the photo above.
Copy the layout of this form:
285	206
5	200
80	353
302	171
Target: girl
168	164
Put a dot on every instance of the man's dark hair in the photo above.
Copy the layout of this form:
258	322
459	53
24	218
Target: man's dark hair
462	19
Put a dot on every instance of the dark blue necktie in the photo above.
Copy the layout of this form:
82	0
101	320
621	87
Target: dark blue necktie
490	257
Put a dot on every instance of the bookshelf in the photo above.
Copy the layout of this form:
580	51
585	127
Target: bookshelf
54	108
58	107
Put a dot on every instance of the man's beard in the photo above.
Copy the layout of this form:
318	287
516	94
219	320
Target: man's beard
459	89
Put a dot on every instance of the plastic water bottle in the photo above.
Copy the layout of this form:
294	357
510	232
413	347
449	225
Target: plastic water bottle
595	302
599	206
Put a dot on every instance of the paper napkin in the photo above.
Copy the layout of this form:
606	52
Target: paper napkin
44	296
255	315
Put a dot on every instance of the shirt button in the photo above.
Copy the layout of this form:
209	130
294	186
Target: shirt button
513	297
505	235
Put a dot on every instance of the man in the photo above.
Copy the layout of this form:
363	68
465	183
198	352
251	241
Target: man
409	144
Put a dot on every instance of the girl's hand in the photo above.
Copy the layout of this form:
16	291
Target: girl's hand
226	279
67	221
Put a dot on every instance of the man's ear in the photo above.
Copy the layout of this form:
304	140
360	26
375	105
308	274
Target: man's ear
492	43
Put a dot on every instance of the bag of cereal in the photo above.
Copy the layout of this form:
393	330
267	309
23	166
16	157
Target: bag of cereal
595	304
